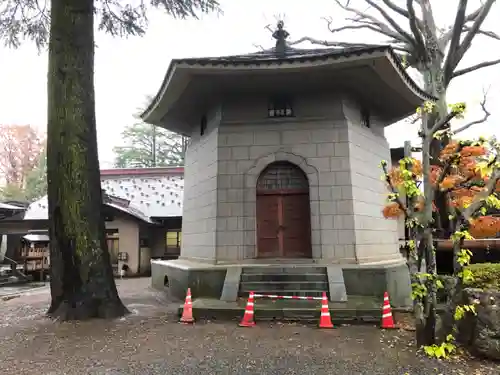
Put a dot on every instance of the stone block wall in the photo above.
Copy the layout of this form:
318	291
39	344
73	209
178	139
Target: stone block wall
200	194
376	238
322	147
325	139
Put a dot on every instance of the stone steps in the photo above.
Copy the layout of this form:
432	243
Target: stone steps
292	269
255	277
285	281
285	286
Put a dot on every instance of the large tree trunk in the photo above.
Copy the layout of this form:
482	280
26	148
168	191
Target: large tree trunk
82	283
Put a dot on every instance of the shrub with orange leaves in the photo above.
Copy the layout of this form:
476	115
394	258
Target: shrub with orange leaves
485	227
449	182
396	176
458	177
473	151
392	211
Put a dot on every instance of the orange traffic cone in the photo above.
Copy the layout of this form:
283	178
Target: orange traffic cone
325	321
387	319
187	312
247	320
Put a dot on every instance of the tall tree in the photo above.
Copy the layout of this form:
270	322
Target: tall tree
21	147
82	284
149	146
470	178
434	51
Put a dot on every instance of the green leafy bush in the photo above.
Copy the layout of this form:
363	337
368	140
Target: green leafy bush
486	276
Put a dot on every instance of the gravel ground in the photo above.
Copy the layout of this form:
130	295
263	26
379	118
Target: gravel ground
150	341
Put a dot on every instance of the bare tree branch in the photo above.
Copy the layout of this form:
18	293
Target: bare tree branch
449	64
428	19
480	121
487	33
397	9
466	42
328	43
472	16
446	37
393	23
419	41
363	17
370	26
485	64
440	124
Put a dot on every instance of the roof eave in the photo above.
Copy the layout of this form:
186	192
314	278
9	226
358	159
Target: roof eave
154	112
410	83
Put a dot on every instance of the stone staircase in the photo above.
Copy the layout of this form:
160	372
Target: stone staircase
287	281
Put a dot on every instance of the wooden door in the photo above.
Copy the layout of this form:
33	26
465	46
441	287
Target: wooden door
283	212
268	215
296	221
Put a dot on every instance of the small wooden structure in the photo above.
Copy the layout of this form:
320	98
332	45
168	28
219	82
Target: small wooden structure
35	255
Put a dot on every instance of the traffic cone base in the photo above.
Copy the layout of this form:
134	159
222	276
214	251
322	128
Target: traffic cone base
248	318
387	319
187	311
325	320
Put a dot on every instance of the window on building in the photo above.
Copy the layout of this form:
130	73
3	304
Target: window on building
203	125
365	117
174	238
280	107
282	176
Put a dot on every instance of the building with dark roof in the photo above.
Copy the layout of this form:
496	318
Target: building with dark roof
282	168
142	208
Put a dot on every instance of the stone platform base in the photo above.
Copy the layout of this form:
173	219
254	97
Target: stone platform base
358	311
216	281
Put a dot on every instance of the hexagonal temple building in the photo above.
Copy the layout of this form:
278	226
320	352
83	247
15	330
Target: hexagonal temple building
282	180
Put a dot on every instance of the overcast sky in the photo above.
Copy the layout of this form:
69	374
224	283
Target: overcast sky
129	69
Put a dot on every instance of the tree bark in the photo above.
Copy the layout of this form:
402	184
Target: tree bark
426	334
82	282
434	85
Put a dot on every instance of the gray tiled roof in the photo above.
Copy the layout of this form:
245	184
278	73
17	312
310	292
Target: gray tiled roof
5	206
290	56
149	196
155	196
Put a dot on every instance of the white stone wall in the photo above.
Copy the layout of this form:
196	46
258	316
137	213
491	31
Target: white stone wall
200	194
376	238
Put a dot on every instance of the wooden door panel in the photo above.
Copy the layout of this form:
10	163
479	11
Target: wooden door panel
296	226
268	226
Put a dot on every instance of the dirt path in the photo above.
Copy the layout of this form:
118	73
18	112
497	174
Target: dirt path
150	341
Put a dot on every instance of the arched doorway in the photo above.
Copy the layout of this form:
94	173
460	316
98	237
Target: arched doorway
283	212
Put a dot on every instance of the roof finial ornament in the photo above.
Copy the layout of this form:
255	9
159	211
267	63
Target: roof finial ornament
280	34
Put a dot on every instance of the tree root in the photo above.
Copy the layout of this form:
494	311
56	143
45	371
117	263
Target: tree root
85	310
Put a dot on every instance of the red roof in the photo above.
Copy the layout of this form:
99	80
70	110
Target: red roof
155	171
